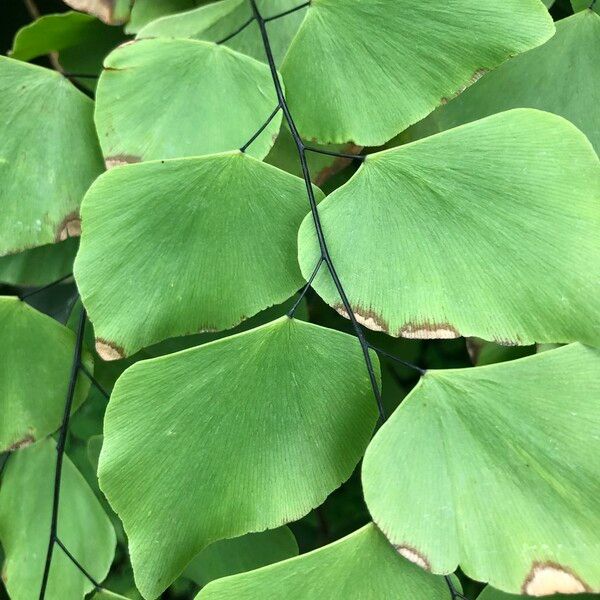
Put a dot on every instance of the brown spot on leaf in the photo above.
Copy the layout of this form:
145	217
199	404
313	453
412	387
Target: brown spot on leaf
337	165
108	350
69	227
476	77
22	443
429	331
551	578
368	318
121	159
414	556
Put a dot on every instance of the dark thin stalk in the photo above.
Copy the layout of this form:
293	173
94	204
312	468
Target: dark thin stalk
313	207
285	13
77	563
94	381
358	157
45	287
305	289
238	30
398	360
32	9
60	449
261	129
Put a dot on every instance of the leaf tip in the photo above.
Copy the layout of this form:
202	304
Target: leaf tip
109	351
414	556
119	160
429	331
551	578
69	227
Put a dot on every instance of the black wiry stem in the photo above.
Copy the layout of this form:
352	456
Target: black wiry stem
261	129
398	360
76	562
60	450
94	381
314	210
238	30
285	13
358	157
46	287
305	288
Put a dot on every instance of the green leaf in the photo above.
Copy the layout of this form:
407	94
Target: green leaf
107	595
167	98
146	11
62	32
25	512
35	364
522	187
494	469
489	593
237	555
48	155
559	77
39	266
218	20
113	12
405	59
245	433
359	566
221	249
584	4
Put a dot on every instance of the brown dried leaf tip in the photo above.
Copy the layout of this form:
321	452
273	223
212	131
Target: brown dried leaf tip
368	318
414	556
551	578
22	443
109	351
121	159
476	77
429	331
69	227
103	9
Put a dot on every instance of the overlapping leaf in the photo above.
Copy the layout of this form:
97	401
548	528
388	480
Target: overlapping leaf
245	553
39	266
146	11
359	566
80	40
560	77
182	246
25	513
169	98
487	230
494	469
217	21
275	419
584	4
35	363
49	155
364	70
